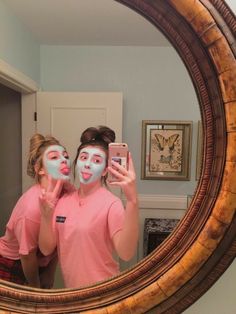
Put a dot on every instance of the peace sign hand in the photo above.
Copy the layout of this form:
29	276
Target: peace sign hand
50	196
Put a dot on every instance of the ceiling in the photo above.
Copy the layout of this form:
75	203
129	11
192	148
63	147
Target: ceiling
85	22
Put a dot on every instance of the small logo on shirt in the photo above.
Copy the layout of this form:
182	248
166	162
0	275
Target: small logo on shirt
60	219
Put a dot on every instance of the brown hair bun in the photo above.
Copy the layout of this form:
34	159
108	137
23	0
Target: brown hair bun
99	134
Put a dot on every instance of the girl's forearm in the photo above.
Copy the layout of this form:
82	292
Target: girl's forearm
47	238
126	240
30	268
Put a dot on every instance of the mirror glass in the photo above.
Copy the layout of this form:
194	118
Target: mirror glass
104	46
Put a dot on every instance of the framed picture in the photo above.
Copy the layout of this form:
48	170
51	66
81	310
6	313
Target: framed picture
199	150
166	150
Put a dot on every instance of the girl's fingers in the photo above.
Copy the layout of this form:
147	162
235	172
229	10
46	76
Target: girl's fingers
120	172
50	184
116	173
117	167
122	169
131	164
57	188
115	183
53	188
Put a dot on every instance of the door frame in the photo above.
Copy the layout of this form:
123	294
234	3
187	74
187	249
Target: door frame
18	81
15	79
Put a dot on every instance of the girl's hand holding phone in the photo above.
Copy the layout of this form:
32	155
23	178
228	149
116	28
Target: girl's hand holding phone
117	152
126	179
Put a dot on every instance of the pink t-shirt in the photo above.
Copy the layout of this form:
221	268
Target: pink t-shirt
84	230
22	230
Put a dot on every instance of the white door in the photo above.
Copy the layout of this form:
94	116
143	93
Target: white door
66	114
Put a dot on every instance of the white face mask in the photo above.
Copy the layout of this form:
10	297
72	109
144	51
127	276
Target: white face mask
91	164
56	162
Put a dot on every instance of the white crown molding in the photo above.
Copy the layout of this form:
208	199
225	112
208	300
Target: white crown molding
16	80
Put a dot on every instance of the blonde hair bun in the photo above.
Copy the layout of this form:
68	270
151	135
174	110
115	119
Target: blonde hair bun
38	144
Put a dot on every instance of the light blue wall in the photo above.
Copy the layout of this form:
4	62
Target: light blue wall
17	46
153	80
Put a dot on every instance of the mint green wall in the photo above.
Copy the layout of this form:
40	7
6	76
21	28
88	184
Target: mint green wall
17	46
154	83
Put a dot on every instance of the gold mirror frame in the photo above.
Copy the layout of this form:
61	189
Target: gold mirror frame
204	244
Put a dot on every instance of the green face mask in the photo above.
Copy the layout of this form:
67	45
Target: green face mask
90	164
56	162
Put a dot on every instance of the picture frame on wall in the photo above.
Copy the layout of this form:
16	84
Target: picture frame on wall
166	150
199	150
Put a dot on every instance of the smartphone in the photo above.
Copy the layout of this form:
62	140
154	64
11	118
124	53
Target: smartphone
119	153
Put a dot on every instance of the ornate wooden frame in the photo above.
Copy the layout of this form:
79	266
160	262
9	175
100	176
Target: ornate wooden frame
203	245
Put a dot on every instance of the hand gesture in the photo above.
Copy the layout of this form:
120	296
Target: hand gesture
50	196
126	179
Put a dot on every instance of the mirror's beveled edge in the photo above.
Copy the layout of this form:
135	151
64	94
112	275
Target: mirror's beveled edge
154	290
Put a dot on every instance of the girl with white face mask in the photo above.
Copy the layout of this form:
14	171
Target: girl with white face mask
90	225
20	258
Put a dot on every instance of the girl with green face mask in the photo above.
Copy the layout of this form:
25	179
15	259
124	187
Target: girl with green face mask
91	165
20	258
91	223
56	162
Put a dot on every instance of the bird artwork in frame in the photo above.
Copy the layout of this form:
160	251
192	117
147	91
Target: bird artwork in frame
166	149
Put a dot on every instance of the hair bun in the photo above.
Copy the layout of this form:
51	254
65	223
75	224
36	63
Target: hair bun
99	134
38	143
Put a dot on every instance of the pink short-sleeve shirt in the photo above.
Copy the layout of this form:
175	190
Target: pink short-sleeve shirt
84	229
22	230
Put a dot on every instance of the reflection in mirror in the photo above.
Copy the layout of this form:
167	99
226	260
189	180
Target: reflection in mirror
142	65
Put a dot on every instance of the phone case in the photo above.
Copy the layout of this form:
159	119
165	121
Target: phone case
119	153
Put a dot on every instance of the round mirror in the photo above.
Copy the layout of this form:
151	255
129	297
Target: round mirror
202	246
144	66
